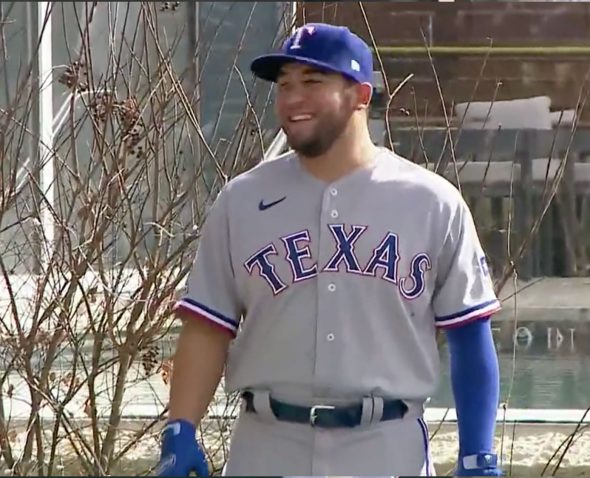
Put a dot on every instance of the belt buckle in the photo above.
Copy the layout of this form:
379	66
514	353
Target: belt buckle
313	412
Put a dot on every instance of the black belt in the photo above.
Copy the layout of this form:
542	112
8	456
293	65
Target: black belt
326	416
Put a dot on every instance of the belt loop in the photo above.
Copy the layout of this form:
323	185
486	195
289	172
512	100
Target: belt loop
377	409
261	402
367	411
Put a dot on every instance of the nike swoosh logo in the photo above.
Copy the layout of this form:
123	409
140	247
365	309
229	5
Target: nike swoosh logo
263	206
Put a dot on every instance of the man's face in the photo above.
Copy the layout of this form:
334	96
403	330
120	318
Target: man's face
313	107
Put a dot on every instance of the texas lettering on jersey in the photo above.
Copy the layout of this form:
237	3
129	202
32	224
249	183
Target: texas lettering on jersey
383	262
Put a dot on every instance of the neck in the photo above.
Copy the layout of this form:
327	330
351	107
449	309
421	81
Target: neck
354	149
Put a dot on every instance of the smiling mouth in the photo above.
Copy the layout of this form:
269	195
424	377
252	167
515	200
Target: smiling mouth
299	118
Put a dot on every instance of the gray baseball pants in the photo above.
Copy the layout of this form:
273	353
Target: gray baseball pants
262	445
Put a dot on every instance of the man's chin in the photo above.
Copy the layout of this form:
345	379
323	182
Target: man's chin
296	141
296	145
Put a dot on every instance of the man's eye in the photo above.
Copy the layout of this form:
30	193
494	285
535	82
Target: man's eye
312	81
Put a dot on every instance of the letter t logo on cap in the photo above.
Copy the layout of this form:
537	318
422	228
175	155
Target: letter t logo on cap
299	35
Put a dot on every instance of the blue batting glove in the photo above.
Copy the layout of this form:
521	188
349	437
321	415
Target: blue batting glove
481	464
181	454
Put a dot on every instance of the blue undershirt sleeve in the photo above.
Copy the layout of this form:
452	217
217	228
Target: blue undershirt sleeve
475	383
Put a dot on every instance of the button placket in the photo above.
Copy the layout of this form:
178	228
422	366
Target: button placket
327	287
327	284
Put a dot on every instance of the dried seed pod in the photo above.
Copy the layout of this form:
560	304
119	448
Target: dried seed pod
75	76
128	112
169	6
149	359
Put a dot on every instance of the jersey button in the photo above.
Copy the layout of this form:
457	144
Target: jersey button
330	337
333	191
332	287
334	214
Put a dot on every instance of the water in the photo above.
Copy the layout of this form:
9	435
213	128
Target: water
544	364
535	382
551	371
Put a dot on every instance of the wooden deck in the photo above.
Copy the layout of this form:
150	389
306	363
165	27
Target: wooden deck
514	173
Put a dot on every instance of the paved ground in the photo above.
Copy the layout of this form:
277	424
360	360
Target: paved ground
526	450
547	298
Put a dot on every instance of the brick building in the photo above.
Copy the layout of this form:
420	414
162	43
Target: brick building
537	48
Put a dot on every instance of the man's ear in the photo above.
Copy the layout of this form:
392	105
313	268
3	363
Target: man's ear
365	93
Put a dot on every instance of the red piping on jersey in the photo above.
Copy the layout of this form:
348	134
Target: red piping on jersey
196	315
485	315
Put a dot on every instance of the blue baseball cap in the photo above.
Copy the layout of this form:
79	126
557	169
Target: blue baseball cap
326	47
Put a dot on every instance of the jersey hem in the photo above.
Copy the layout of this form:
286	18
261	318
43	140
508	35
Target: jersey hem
469	315
205	312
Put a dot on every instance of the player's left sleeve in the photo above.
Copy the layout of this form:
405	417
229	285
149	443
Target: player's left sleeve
464	289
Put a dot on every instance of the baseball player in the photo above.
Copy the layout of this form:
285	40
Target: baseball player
318	286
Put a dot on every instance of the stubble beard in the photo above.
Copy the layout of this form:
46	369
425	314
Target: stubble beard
322	139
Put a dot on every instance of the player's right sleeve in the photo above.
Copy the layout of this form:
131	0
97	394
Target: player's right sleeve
464	288
211	290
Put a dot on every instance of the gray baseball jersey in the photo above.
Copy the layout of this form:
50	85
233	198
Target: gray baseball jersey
336	291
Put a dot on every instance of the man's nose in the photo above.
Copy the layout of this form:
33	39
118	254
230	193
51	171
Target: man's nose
295	96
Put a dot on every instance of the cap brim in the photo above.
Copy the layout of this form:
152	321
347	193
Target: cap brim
268	67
